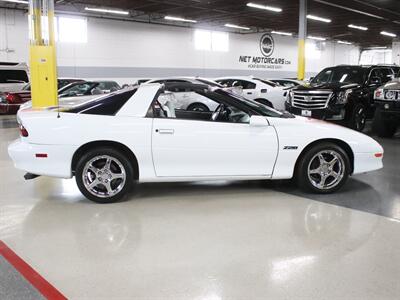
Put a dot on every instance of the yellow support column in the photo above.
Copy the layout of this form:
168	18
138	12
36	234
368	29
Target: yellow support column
43	63
301	66
301	69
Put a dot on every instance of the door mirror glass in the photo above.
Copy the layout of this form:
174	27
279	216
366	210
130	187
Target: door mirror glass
375	81
258	121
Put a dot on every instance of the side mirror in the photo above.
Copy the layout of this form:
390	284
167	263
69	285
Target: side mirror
375	81
258	121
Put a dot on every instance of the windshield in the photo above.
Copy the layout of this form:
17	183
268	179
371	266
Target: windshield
340	75
108	85
209	82
253	105
78	89
270	83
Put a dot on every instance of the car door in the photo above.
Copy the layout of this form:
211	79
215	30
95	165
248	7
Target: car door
248	88
375	73
193	147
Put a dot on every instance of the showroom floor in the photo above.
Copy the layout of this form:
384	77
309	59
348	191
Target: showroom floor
224	240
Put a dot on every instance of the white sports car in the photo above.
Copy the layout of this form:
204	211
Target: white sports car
129	135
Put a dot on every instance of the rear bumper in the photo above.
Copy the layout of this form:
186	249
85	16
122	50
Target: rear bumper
6	108
56	164
389	110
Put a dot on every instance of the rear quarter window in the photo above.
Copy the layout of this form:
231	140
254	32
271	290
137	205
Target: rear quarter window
106	106
12	76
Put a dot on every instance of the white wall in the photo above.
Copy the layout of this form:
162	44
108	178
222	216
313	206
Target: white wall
127	50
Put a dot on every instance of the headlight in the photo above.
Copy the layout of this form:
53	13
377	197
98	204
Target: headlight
379	95
289	97
343	96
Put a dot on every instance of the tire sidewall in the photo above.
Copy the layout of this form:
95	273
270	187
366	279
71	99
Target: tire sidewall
113	153
302	168
356	109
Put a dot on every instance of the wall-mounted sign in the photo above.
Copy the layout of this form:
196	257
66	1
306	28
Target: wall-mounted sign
267	47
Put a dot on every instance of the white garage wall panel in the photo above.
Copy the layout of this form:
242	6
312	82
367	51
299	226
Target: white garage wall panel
128	50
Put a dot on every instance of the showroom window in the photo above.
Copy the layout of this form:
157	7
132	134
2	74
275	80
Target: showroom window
70	30
211	40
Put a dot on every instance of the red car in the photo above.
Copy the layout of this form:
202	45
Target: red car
11	101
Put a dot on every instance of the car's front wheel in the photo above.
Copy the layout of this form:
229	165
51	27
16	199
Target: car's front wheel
323	169
104	175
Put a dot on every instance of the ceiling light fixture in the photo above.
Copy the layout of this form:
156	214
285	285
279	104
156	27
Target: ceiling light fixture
171	18
357	27
377	48
344	43
316	38
266	7
236	26
107	11
282	33
316	18
388	34
16	1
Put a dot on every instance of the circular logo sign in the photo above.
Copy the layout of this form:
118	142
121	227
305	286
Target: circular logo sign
267	45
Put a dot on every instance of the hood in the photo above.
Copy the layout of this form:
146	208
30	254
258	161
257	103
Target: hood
393	85
333	86
313	129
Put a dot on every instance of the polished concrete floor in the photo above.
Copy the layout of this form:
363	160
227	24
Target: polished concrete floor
223	240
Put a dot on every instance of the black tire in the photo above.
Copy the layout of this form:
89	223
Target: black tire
304	180
358	117
382	127
264	102
119	157
198	107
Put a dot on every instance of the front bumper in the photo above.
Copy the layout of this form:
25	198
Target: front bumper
56	164
390	110
329	114
367	162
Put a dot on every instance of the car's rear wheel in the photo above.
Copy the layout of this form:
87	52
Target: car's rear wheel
323	169
382	127
104	175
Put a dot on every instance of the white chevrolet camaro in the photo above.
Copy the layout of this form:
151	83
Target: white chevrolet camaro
138	134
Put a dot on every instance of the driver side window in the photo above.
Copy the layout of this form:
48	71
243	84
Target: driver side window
197	107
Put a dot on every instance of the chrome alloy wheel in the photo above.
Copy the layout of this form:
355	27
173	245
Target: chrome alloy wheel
104	176
326	169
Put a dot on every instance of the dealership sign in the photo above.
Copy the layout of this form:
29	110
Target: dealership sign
267	60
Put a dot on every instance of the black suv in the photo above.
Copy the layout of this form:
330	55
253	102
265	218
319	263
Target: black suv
343	93
387	114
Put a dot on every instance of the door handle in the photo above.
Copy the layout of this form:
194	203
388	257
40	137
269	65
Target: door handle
165	131
249	93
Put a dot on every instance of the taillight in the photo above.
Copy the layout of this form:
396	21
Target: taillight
23	131
378	155
13	98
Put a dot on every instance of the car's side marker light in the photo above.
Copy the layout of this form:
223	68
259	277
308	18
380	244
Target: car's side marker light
41	155
378	154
